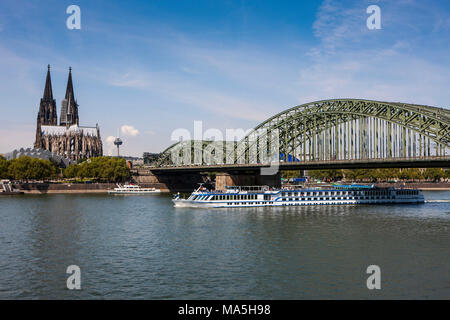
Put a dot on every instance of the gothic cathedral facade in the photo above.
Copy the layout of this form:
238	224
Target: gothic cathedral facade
68	139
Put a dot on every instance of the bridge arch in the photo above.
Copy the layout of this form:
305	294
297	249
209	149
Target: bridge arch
336	129
195	152
348	129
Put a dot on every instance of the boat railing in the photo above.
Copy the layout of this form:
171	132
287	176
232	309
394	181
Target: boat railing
6	186
246	188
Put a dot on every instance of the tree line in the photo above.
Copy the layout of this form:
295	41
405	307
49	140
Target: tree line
108	169
381	175
27	168
373	175
104	169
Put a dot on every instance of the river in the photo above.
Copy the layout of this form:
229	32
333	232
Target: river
141	247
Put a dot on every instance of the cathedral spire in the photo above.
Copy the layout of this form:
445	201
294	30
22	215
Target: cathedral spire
47	110
69	107
48	92
69	90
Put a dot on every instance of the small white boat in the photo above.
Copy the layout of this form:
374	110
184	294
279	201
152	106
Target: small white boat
132	189
7	188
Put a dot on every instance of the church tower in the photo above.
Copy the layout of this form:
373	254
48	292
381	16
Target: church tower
47	109
67	139
69	106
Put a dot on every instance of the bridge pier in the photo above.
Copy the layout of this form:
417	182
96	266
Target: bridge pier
188	181
169	182
253	178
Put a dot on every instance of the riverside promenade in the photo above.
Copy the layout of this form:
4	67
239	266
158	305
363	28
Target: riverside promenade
67	188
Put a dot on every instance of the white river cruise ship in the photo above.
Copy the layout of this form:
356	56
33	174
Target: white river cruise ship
267	197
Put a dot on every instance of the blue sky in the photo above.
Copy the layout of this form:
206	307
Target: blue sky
160	65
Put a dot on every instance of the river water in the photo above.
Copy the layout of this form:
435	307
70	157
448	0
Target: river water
140	247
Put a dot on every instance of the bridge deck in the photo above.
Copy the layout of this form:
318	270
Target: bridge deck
425	162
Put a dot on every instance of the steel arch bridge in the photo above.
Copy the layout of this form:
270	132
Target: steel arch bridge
333	130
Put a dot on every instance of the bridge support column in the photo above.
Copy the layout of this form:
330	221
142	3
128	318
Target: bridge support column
169	182
247	179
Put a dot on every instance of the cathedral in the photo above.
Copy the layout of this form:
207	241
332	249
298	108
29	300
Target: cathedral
68	139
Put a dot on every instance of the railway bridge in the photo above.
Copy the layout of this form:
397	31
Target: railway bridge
327	134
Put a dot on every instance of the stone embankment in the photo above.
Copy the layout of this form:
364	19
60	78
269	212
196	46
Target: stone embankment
43	188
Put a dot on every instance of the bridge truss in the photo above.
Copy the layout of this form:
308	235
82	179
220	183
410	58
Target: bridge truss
334	130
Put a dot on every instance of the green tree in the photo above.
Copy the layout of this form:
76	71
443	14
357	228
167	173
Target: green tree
19	168
26	168
447	173
410	174
71	171
289	174
332	174
4	174
358	174
387	174
100	168
434	174
374	175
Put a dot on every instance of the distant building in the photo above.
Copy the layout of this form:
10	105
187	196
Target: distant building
68	139
40	154
150	158
133	161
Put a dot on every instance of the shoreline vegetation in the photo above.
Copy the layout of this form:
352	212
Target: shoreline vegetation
99	169
390	175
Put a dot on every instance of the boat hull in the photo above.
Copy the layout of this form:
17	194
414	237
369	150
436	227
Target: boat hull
238	197
183	203
13	193
134	192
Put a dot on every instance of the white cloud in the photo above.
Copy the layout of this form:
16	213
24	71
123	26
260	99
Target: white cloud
128	130
354	62
338	24
110	145
198	95
110	140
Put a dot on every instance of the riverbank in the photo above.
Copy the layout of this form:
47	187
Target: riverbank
67	188
426	186
429	186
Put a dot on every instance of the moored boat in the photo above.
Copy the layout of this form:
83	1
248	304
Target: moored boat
7	188
132	189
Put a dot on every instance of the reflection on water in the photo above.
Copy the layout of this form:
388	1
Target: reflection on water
136	247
